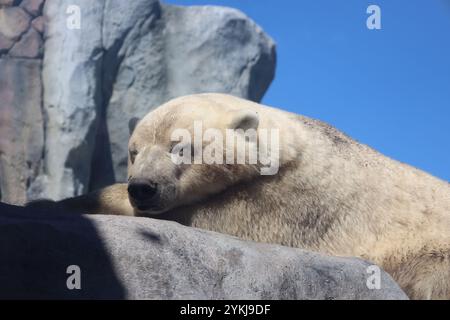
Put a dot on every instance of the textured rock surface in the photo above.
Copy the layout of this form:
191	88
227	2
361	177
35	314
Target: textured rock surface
5	44
14	21
123	257
22	123
21	29
21	127
38	24
127	58
33	7
72	96
7	3
29	46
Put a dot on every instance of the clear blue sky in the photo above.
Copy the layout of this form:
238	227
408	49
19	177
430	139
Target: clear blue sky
387	88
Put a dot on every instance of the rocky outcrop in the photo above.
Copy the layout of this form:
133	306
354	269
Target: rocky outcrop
125	59
142	258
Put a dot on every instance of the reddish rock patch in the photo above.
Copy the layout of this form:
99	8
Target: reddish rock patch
5	44
14	21
33	7
38	24
29	46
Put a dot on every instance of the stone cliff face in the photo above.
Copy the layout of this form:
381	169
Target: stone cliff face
66	97
21	116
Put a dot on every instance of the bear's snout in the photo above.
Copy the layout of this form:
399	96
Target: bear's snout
142	190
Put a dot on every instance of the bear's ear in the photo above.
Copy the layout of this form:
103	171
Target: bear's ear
244	119
132	123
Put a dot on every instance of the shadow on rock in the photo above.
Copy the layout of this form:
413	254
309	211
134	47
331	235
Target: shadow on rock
38	246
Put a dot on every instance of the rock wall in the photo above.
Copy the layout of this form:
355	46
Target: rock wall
156	259
72	101
21	118
21	28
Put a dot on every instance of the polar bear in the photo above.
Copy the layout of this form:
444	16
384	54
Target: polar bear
330	194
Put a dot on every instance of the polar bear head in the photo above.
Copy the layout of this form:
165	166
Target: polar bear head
193	147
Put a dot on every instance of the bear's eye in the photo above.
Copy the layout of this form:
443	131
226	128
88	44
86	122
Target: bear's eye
177	148
180	149
133	154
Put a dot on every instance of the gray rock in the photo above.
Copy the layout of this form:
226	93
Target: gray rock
141	258
21	127
135	56
72	95
133	81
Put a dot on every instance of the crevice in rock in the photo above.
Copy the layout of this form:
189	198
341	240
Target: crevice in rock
261	74
112	59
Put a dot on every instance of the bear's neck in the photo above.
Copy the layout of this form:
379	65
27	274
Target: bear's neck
262	210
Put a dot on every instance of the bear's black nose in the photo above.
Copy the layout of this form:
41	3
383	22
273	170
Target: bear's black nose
141	189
